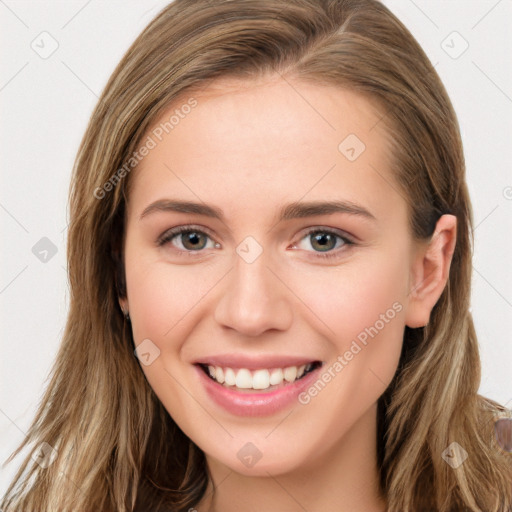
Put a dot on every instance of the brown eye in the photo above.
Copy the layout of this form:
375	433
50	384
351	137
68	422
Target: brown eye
322	241
325	243
193	240
186	239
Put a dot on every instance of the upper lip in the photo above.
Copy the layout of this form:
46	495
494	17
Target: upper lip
255	362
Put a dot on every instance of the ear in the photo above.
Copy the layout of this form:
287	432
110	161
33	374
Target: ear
119	274
123	304
120	282
430	271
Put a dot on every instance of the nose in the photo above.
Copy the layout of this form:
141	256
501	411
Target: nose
254	300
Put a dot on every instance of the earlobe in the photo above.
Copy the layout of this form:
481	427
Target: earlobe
431	270
123	304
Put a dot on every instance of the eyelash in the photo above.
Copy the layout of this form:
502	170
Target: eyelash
169	235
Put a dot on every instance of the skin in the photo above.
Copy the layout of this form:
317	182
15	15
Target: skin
249	148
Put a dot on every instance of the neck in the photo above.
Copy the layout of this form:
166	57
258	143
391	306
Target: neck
344	478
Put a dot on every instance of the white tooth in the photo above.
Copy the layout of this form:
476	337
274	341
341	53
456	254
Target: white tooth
219	374
290	373
243	379
276	376
229	377
211	371
260	379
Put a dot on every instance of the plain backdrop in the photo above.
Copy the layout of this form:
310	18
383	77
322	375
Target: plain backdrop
46	100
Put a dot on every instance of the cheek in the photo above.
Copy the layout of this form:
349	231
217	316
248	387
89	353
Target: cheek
162	299
161	295
360	310
351	298
362	315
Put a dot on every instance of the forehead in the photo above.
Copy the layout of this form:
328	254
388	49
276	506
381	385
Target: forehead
281	111
262	143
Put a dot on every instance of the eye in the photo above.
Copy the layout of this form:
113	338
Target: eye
324	242
187	239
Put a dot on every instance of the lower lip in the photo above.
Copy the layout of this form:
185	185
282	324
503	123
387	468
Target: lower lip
255	404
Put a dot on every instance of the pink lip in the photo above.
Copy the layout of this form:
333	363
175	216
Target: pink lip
254	363
242	403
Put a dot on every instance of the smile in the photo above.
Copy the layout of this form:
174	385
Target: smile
260	379
255	387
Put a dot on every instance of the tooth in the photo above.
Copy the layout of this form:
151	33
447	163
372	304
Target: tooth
229	377
244	379
219	374
260	379
290	373
276	376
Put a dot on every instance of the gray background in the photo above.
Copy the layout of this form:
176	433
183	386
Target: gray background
46	101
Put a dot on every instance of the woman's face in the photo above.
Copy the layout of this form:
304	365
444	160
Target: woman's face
297	258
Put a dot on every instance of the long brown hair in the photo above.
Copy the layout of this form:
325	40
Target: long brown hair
117	448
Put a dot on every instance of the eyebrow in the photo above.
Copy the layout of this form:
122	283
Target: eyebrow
294	210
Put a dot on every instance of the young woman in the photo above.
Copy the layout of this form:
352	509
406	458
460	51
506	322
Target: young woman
270	267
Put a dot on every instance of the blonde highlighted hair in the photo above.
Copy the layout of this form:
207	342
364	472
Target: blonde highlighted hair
117	448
